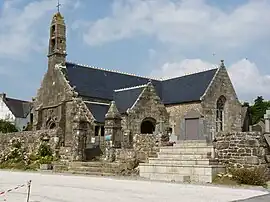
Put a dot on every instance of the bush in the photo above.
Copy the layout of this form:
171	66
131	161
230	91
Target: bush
46	160
44	150
251	176
7	127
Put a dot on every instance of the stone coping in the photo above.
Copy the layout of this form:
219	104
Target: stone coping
173	159
196	166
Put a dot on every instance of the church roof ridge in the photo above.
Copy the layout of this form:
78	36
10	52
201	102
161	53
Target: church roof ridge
190	73
114	71
130	88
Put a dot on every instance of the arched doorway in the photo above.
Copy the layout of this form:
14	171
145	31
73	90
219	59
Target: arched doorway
148	126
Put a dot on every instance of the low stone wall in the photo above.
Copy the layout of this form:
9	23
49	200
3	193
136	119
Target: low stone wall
29	139
124	155
146	145
241	149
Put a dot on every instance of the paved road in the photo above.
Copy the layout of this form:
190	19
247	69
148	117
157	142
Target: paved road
69	188
264	198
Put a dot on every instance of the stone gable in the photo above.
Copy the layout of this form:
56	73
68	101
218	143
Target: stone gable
221	85
148	105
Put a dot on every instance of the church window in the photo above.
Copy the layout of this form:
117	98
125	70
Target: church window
96	130
220	113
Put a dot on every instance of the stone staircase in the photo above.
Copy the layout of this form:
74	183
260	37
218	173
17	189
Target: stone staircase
186	161
94	168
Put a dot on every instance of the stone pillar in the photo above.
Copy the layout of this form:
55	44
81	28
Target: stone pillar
267	127
113	125
79	136
267	121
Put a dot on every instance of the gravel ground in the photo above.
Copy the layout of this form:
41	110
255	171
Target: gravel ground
70	188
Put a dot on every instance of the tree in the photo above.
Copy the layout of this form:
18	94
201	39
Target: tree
7	127
258	109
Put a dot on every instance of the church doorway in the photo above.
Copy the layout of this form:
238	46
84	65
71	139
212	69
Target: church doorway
148	126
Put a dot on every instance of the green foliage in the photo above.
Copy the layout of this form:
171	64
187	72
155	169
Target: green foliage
44	150
46	160
258	109
17	157
251	176
7	127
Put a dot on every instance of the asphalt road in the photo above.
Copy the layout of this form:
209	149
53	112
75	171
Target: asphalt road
264	198
70	188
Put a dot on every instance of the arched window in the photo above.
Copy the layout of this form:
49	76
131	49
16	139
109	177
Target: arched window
220	113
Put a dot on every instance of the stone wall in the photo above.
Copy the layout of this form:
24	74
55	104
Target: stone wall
242	149
177	114
29	139
221	85
146	145
148	105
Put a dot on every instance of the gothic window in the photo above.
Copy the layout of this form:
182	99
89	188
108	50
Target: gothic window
220	113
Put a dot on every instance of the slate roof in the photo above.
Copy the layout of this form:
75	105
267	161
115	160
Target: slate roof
98	83
19	108
186	88
124	99
93	82
98	111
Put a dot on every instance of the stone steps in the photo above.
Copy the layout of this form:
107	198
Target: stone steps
191	143
196	173
187	149
94	170
186	161
96	164
185	156
90	173
173	161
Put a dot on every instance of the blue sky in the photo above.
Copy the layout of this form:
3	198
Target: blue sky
159	38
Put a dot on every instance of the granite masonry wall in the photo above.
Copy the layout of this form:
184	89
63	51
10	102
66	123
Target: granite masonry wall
177	114
29	139
241	149
221	85
148	105
144	146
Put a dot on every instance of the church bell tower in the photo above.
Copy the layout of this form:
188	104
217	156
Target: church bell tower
57	42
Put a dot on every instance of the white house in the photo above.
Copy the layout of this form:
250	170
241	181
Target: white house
15	111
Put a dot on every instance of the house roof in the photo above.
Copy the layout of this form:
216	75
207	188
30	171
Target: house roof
125	98
19	108
100	83
98	110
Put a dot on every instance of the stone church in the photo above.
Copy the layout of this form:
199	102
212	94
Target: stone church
88	103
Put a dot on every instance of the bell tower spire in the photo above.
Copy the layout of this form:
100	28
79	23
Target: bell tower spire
57	41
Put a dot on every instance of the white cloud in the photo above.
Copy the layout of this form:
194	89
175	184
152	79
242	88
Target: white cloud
20	24
186	22
248	81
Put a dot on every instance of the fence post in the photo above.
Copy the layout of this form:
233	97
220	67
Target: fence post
29	189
